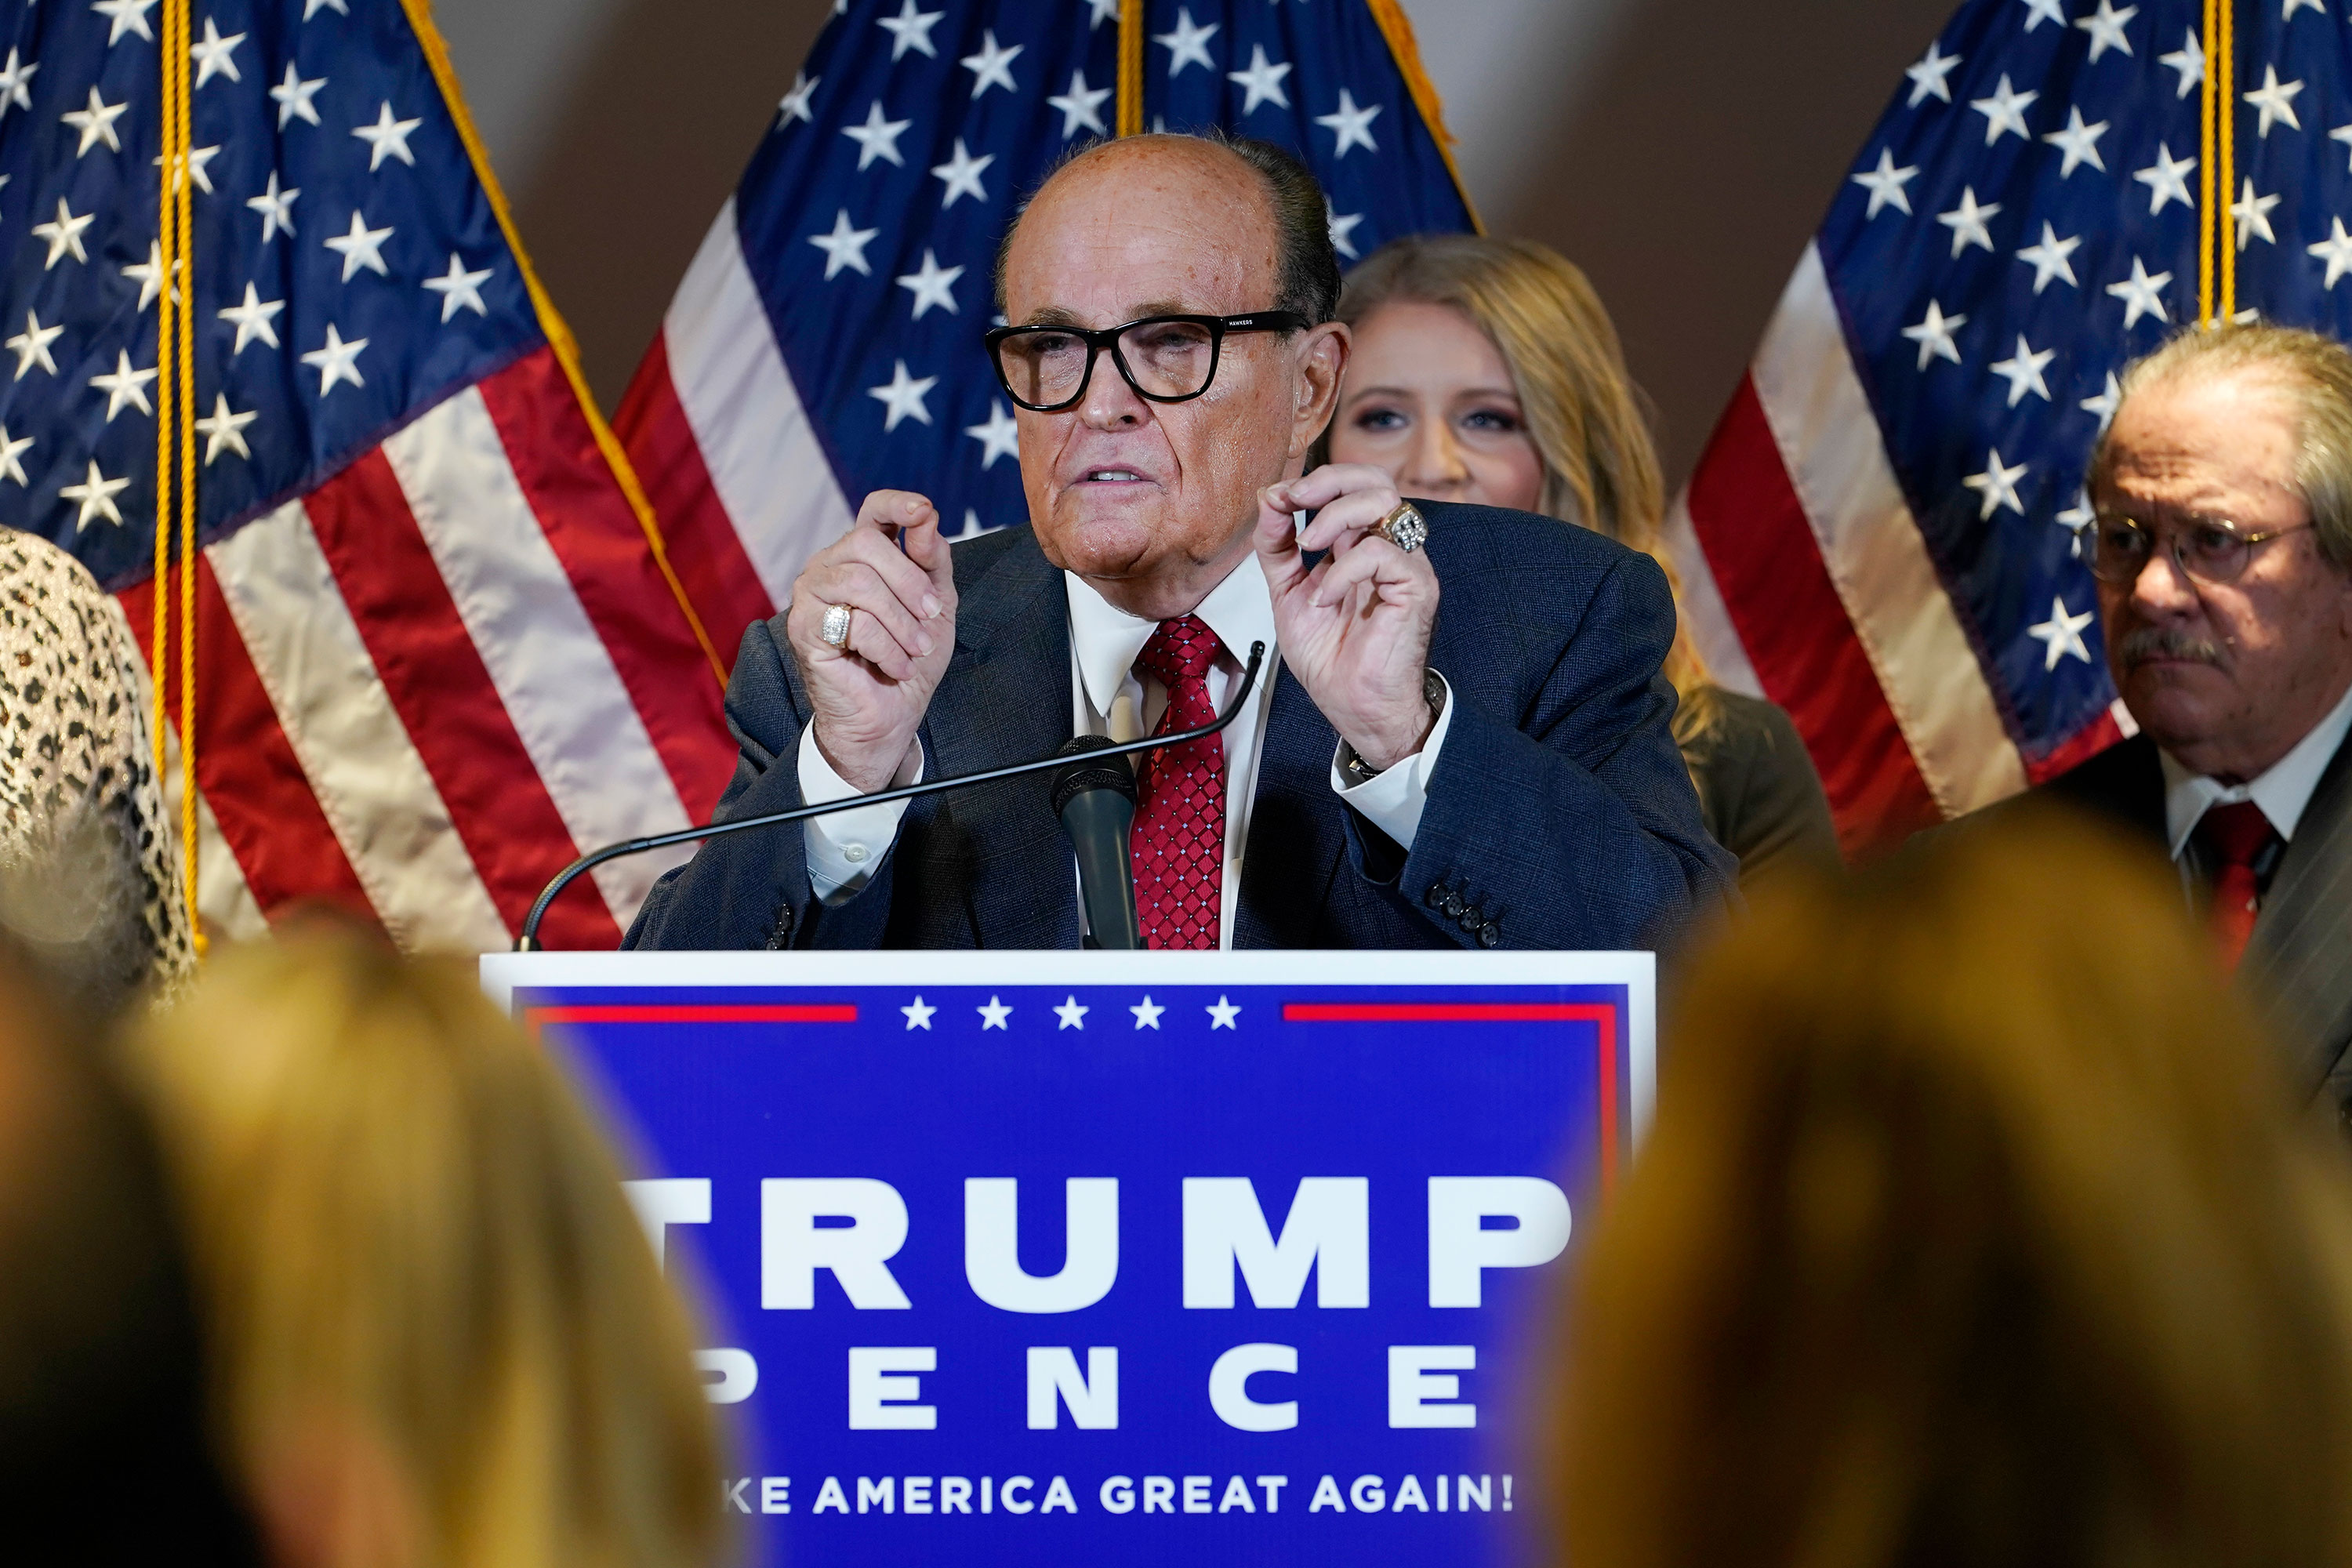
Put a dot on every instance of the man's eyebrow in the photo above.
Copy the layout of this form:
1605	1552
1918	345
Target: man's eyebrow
1059	316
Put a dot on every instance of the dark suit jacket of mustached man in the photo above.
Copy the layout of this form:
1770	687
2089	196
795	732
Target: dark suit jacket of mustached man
1558	814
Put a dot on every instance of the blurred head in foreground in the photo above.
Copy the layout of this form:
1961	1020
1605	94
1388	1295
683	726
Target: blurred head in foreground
442	1340
1974	1227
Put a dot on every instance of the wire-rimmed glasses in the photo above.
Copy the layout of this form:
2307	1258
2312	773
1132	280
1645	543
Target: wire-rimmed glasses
2209	549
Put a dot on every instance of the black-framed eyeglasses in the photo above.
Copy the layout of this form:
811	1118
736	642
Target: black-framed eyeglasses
1166	359
2210	549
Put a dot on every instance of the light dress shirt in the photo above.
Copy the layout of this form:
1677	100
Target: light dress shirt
1108	696
2282	791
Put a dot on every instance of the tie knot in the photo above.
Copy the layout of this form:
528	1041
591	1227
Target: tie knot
2235	833
1181	649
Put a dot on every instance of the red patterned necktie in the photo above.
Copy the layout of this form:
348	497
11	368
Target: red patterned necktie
1179	840
2235	837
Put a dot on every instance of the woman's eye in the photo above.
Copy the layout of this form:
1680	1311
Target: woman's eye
1380	419
1492	421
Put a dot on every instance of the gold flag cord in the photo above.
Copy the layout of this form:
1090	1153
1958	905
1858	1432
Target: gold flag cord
1130	68
2205	164
2222	89
175	436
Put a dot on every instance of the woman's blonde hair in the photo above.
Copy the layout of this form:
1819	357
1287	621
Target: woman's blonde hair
1583	411
1976	1229
402	1218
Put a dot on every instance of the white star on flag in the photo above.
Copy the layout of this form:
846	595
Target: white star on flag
1927	76
2292	6
96	495
64	233
275	207
214	55
32	346
224	430
1351	125
961	174
197	159
17	84
387	138
2253	214
1934	335
999	437
2004	110
844	247
12	451
993	1015
253	319
337	362
126	16
878	137
1146	1013
1103	11
95	124
1967	221
910	29
2188	59
313	7
2041	11
149	275
2074	520
1187	46
1262	83
1997	485
932	285
2107	28
1082	105
123	385
2079	141
1342	227
293	98
2024	372
1072	1014
918	1012
1885	184
2062	634
459	290
2050	258
2335	250
794	104
903	397
2166	179
1223	1012
2275	99
2342	133
361	246
992	67
2104	404
2139	294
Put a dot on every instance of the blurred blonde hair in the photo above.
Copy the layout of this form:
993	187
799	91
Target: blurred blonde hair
1582	412
1975	1228
402	1217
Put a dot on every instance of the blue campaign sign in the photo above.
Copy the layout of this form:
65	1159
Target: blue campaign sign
1170	1257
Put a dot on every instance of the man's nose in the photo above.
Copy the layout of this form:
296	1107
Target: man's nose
1434	462
2162	590
1109	402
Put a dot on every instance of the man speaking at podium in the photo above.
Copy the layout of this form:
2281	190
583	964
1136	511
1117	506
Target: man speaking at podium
1493	771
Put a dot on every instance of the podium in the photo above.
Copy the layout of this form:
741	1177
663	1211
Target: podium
1251	1258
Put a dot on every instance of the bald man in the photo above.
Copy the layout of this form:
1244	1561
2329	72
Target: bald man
1462	739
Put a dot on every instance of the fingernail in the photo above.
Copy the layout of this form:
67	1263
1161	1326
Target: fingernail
930	605
922	642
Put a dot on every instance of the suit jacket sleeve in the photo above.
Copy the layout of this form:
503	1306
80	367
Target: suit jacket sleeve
1563	816
751	890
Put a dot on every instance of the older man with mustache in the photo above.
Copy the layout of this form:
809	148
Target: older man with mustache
2222	548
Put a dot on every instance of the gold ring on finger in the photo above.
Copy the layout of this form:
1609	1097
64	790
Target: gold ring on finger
1404	526
836	629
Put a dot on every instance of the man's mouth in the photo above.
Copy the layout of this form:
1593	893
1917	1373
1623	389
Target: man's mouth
1110	476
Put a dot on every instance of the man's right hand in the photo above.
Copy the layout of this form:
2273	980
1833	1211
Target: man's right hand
868	697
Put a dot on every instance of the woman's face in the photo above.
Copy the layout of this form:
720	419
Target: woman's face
1428	397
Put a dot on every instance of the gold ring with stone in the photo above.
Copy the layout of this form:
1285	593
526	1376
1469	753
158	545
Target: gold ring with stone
836	629
1404	526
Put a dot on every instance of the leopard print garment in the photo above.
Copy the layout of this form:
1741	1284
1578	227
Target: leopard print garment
88	863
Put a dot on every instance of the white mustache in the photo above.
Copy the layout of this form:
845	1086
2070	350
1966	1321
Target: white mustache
2163	642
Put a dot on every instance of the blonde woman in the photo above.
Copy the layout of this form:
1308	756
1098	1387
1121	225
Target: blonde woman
440	1339
1487	371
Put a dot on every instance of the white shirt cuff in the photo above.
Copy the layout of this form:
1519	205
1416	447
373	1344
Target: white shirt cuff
845	848
1392	801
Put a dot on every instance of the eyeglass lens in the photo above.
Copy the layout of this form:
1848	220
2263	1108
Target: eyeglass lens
2209	550
1047	366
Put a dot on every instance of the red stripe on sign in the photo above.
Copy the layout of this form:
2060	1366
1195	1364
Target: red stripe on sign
1601	1014
1768	565
438	685
595	533
246	768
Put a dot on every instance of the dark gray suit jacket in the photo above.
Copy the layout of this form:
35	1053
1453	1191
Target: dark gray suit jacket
1558	814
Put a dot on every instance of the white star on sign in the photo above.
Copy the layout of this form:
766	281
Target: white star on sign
1997	485
1885	184
795	105
2138	293
198	158
844	247
293	97
932	285
903	397
275	207
1262	81
361	248
1351	125
2275	98
213	54
999	437
2107	28
2166	179
918	1012
1072	1014
459	289
1223	1012
2025	371
12	449
64	233
1146	1013
2104	404
387	138
336	361
127	17
2074	520
992	67
910	29
2040	11
2004	110
1342	227
1934	335
16	83
2188	59
1081	105
1187	46
2253	216
95	124
96	495
992	1017
1927	76
2335	250
2079	141
878	137
1967	221
253	319
224	430
2062	634
2050	258
32	346
149	275
961	174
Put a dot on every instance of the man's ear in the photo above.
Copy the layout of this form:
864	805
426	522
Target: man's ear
1322	360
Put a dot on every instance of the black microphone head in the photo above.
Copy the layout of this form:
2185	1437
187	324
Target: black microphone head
1076	777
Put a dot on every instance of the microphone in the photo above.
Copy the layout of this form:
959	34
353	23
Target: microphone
529	941
1096	801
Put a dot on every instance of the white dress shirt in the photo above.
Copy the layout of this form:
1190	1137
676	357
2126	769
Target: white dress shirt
2282	791
845	848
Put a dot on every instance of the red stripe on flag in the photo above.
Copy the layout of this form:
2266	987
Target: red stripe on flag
246	768
2080	747
595	534
1768	565
438	685
704	548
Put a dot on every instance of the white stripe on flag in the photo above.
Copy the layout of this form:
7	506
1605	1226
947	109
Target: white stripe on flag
369	780
1706	619
551	669
762	454
1836	456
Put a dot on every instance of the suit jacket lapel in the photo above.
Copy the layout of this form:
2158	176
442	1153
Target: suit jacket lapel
1296	837
2300	957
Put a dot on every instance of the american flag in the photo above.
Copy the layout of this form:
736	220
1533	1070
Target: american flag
1885	534
825	342
436	655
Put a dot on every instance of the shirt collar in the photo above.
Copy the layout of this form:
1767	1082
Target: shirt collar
1107	640
2283	792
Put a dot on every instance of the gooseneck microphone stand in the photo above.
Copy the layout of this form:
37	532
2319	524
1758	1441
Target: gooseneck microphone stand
529	941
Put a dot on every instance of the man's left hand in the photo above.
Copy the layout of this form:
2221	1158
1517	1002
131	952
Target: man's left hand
1355	629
